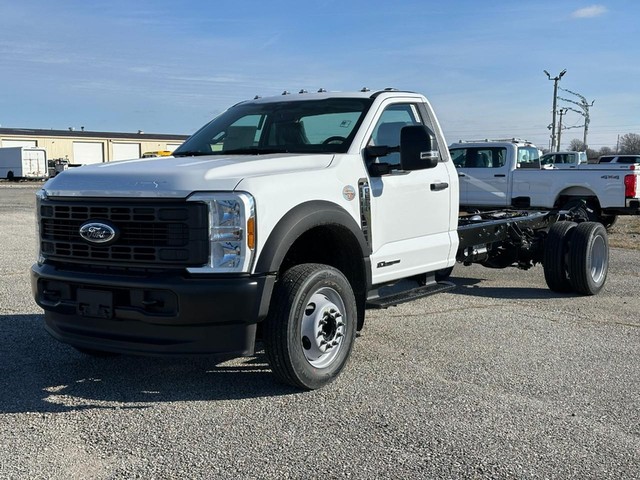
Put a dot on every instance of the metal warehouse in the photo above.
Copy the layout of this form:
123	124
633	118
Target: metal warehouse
84	147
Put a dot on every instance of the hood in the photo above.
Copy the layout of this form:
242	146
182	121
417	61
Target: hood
176	177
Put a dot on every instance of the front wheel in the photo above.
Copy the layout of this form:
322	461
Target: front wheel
311	326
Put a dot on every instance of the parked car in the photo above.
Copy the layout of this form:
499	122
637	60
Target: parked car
619	159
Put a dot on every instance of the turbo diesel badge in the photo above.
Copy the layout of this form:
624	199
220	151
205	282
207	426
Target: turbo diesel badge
98	232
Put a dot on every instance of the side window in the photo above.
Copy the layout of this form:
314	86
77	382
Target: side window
490	157
387	130
529	157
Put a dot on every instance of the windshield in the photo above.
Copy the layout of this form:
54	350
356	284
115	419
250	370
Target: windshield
301	126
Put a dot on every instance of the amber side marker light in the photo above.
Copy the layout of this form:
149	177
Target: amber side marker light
251	233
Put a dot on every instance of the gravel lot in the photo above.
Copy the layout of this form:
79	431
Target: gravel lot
499	378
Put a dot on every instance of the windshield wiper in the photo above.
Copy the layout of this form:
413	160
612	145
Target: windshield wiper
190	153
253	151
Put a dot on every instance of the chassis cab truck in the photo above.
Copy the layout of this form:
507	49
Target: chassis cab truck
281	220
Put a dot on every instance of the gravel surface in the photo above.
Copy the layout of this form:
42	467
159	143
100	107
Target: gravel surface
499	378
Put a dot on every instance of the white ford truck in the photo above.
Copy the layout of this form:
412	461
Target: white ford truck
500	174
280	221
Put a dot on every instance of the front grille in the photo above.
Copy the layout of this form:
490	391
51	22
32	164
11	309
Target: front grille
162	234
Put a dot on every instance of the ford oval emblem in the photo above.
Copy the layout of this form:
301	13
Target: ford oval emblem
99	233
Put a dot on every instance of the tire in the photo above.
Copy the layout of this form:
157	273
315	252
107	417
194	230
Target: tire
589	258
555	256
10	176
311	326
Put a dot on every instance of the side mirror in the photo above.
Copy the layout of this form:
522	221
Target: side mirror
416	148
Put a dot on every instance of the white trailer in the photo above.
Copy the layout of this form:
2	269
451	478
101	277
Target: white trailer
23	162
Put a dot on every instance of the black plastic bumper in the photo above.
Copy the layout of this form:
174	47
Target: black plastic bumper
152	315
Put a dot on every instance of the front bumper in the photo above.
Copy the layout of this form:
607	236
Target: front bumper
152	314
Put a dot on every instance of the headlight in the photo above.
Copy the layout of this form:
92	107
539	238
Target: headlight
231	231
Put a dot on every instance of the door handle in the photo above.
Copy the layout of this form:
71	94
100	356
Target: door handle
499	175
461	175
435	187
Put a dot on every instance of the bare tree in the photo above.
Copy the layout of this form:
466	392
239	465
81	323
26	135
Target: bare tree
606	151
577	145
630	144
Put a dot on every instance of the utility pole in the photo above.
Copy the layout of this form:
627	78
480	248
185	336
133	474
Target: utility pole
584	111
561	112
555	79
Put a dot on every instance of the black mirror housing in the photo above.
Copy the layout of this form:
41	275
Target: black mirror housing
416	148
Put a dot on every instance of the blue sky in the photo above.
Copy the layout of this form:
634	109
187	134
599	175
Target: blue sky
168	67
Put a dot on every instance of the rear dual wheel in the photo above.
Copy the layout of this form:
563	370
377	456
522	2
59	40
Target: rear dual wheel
556	252
576	257
589	258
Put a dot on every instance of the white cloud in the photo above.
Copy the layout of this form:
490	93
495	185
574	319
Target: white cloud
590	11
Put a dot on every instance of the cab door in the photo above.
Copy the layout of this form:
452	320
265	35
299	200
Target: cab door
410	210
484	176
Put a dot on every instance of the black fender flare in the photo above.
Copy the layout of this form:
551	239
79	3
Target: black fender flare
297	221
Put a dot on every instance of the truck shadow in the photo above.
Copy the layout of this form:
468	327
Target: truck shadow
39	374
473	287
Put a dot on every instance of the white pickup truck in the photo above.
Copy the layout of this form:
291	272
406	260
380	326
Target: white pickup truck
501	174
280	221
